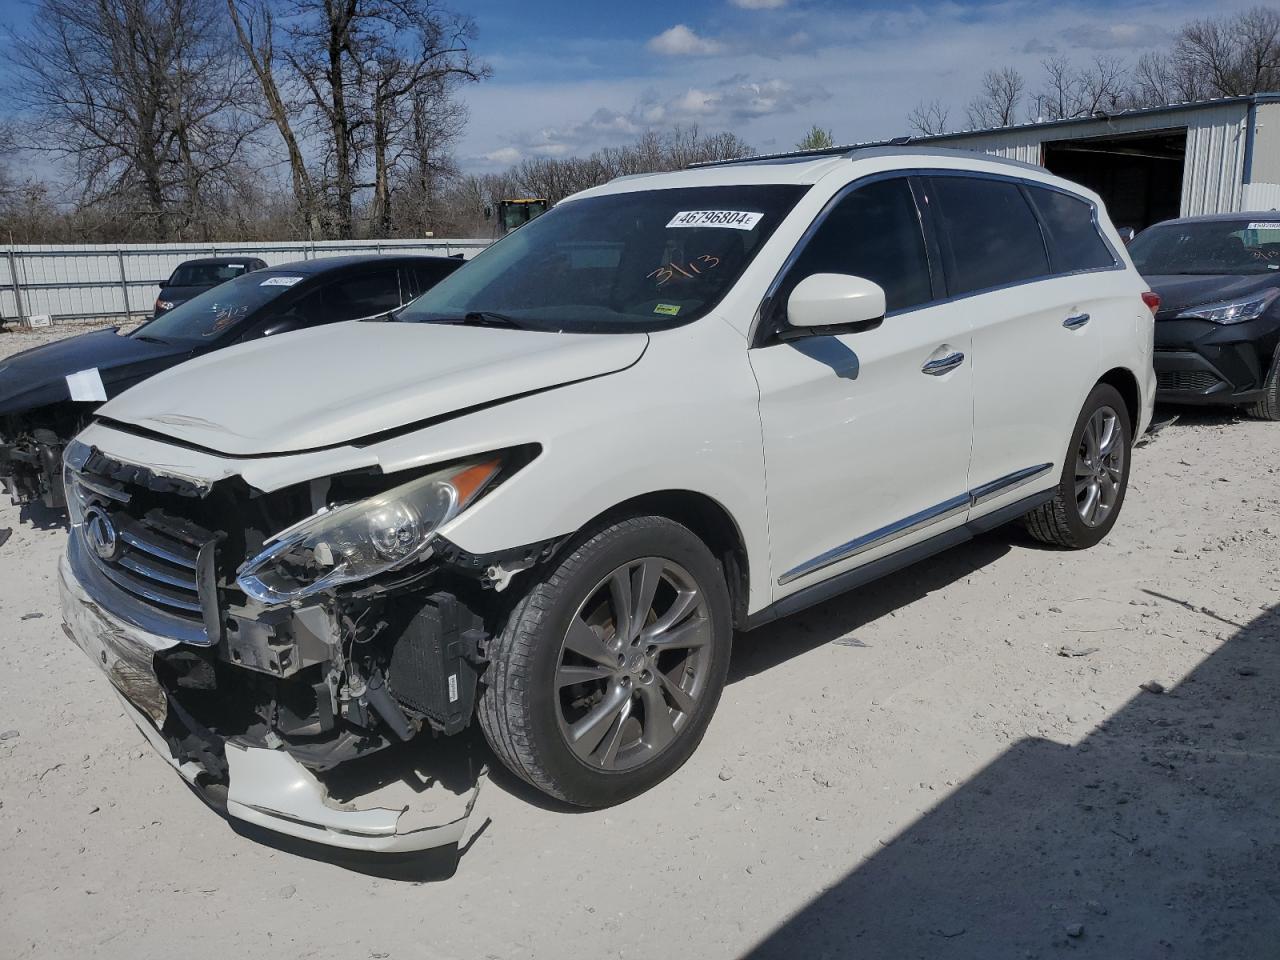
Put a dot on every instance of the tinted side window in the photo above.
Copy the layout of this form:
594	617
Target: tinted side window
992	234
351	298
363	295
874	233
422	277
1073	237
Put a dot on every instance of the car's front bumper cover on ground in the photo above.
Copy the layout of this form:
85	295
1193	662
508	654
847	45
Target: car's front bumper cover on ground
268	788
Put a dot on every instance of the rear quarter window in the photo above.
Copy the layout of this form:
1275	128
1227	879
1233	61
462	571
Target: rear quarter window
992	237
1074	240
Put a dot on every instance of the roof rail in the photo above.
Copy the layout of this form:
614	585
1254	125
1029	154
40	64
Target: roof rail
899	146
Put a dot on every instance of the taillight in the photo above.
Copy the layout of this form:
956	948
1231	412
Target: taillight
1152	300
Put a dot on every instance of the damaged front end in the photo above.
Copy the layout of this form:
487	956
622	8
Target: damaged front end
31	460
267	665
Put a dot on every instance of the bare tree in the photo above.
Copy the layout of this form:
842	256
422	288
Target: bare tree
436	120
997	103
255	31
1221	57
1068	91
143	97
359	60
929	119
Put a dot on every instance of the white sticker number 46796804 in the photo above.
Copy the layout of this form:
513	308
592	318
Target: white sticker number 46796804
731	219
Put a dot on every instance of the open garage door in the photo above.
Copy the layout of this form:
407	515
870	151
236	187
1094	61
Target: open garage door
1139	176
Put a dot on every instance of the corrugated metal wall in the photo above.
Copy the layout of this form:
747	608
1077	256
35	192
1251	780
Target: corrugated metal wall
82	282
1212	179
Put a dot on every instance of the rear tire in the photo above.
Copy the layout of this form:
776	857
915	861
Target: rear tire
593	706
1095	476
1268	408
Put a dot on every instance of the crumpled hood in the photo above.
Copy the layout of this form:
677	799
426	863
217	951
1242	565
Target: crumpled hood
38	376
1179	291
339	383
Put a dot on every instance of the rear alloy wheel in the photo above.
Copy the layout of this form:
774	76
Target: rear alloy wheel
1094	478
607	673
1100	463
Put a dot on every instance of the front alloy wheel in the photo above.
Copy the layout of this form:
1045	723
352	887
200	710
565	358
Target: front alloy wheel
633	664
607	672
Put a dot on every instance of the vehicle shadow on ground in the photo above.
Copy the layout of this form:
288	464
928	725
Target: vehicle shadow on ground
774	644
1156	836
1207	416
43	518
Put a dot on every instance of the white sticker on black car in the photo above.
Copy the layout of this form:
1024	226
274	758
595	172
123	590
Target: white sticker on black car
86	386
279	281
730	219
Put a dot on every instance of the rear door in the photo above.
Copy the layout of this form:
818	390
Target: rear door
866	434
1034	346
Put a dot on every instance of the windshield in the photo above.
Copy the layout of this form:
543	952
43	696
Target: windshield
615	264
214	312
205	274
1209	247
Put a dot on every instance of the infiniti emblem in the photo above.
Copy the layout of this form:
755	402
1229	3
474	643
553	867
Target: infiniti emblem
100	532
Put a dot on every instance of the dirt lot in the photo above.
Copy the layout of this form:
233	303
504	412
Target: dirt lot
957	762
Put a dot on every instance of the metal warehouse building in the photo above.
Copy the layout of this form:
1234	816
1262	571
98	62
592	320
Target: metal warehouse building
1211	156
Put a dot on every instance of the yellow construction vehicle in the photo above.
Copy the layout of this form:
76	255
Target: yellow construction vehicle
518	212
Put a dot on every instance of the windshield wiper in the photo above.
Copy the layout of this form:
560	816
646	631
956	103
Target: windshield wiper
150	339
481	318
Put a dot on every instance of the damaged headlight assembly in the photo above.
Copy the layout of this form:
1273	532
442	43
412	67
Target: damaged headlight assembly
359	540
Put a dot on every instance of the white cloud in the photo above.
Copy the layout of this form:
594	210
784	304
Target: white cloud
758	4
680	41
503	156
1116	36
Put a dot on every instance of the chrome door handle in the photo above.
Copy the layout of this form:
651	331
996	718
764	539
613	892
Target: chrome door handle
1076	322
936	368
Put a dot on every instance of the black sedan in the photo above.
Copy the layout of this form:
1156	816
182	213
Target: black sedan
49	392
1217	332
194	277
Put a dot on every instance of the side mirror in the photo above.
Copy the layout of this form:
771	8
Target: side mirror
1127	234
830	303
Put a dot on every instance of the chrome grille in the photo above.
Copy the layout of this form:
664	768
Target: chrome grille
153	559
154	566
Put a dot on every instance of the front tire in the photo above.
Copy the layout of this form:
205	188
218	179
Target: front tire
1095	476
608	670
1268	408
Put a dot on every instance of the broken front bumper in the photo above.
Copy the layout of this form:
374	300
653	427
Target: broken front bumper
268	788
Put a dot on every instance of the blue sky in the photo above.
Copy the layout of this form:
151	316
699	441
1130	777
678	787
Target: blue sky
569	77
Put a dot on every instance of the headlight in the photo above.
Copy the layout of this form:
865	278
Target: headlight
359	540
163	305
1233	311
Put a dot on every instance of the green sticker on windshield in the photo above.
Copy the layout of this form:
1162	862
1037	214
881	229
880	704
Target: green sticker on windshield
669	309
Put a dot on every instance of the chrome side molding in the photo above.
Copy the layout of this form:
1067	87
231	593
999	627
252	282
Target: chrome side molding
917	521
1004	484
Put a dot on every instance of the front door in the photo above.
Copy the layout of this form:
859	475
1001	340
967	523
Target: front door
867	435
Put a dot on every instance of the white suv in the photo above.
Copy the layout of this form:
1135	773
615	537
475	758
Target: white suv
548	491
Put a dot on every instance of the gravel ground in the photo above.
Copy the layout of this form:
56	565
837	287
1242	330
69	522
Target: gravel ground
957	762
